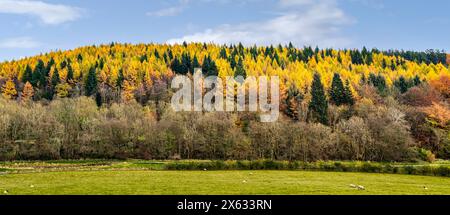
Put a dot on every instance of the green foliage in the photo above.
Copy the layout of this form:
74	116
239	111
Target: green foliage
90	85
318	107
27	75
337	93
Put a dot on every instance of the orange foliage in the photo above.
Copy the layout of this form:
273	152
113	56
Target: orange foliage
442	84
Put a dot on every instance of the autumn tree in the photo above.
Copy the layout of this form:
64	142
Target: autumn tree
292	102
127	92
27	93
9	90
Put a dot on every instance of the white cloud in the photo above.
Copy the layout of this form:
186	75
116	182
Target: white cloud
306	22
48	13
295	2
170	11
19	42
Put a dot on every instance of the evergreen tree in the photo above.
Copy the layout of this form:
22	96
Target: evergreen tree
209	67
185	64
91	82
348	95
195	64
27	75
69	73
98	99
120	79
337	95
38	77
223	53
55	78
175	66
318	107
401	84
240	70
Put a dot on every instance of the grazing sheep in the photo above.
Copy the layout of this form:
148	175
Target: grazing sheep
360	187
352	186
244	181
5	192
204	169
31	186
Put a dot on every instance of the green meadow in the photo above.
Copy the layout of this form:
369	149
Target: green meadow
144	177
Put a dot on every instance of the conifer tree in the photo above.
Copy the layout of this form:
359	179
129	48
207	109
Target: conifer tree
127	93
120	79
348	95
402	85
27	75
38	77
240	70
55	78
91	82
337	96
318	107
27	93
9	90
293	99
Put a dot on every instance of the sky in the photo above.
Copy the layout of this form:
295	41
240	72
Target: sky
30	27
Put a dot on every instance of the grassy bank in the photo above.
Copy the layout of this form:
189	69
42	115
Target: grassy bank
441	168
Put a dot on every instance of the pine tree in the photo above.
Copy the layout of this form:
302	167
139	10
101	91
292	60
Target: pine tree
27	93
69	73
195	64
27	75
55	78
120	79
240	70
91	82
401	84
337	96
223	53
348	95
209	67
318	107
98	99
175	66
38	78
9	90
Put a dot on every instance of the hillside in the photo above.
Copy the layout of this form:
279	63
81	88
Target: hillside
395	105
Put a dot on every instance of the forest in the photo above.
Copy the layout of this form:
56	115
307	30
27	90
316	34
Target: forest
112	101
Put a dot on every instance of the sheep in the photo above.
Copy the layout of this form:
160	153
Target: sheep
360	187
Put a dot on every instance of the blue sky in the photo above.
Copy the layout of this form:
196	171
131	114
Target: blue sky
29	27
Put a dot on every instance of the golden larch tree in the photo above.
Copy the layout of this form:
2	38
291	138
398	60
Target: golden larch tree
9	90
27	93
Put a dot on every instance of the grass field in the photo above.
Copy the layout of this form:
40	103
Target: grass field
154	177
218	182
